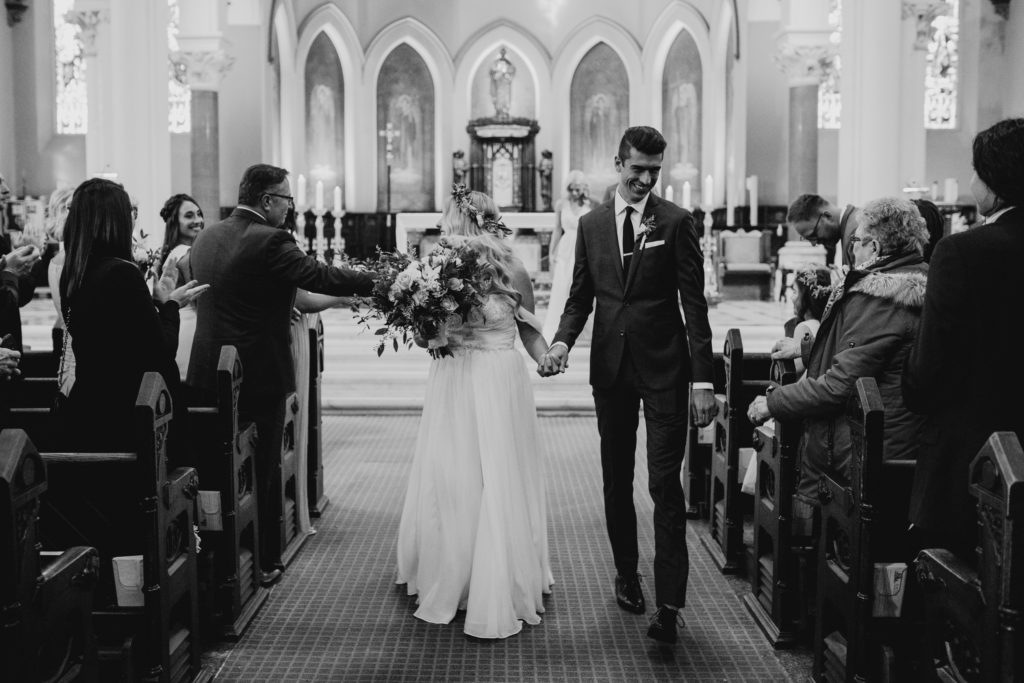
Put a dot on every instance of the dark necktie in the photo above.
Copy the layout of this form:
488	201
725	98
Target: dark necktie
627	240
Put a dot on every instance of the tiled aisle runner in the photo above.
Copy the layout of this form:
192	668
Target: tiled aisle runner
337	615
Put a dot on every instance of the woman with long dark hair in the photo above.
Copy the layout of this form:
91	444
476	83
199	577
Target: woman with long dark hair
118	330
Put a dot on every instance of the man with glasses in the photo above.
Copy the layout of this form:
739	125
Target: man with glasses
254	268
819	222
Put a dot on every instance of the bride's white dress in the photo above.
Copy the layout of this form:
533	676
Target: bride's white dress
473	534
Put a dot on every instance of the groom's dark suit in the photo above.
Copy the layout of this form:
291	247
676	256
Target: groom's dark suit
641	349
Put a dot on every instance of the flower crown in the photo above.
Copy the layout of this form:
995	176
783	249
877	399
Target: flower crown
494	226
808	277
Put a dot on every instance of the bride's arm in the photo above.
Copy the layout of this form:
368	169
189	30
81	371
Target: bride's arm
532	338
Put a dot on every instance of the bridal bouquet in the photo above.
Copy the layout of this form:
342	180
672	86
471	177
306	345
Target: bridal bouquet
423	298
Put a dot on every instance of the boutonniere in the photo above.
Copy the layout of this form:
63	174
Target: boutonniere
647	226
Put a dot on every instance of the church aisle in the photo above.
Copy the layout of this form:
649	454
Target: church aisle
337	615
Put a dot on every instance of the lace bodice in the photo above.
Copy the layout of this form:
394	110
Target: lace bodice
492	327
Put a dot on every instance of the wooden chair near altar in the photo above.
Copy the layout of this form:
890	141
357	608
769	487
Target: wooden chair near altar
46	633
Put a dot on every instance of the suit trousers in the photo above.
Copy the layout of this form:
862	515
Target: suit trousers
267	413
618	408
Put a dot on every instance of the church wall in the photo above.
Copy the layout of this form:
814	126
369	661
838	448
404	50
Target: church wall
8	153
240	101
767	116
181	163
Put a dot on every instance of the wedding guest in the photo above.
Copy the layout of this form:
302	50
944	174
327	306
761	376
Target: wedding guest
183	219
575	202
966	369
819	222
933	221
18	275
119	330
812	286
56	217
867	329
255	268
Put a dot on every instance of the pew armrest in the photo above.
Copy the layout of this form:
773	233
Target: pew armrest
81	559
88	457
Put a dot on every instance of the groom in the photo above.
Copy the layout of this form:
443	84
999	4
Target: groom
638	256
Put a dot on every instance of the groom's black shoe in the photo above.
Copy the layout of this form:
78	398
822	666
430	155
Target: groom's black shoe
629	594
663	625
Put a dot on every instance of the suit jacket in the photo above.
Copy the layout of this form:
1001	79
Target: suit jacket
967	369
254	271
643	308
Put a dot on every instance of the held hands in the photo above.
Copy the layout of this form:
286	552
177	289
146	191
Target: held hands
703	407
554	361
21	260
786	348
757	411
9	360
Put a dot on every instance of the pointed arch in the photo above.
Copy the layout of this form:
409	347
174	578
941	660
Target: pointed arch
567	59
429	47
332	22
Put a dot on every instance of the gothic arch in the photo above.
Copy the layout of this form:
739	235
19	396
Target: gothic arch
567	60
332	22
439	63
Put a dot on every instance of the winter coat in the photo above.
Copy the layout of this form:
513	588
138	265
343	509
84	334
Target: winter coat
867	331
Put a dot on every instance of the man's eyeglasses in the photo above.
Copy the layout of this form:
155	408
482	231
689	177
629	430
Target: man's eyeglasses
813	237
287	197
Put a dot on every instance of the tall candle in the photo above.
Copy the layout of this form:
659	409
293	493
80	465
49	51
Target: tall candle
687	198
669	193
952	191
337	200
707	199
300	199
319	195
752	188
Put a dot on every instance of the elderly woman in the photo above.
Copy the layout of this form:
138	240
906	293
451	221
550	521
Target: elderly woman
867	329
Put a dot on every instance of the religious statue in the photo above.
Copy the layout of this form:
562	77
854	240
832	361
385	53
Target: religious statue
502	73
545	168
459	167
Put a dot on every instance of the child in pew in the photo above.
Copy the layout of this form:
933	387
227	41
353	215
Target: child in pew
811	289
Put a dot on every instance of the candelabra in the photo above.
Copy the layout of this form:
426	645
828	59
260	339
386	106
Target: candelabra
339	239
711	291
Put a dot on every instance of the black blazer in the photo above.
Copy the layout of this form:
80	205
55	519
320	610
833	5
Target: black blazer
967	369
642	309
254	271
118	334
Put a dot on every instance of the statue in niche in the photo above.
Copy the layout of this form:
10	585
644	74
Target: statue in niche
682	132
459	167
601	128
502	73
405	115
322	134
545	168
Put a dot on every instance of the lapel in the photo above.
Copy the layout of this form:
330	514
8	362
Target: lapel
610	234
634	263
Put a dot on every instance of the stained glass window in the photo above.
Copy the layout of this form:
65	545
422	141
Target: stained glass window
941	69
72	111
829	101
179	95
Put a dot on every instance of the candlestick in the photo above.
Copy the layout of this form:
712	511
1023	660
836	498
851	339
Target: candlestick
707	199
687	198
337	201
952	191
320	196
669	193
752	188
300	198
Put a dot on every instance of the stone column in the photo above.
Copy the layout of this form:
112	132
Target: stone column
205	69
872	55
94	22
917	32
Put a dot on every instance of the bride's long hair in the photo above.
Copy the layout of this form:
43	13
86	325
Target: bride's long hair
474	216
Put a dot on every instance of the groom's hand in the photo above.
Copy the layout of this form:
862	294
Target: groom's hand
702	403
554	361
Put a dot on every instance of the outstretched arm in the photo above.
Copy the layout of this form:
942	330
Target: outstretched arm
533	340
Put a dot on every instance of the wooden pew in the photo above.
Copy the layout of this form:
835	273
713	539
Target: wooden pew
28	400
975	617
860	526
697	460
286	539
318	502
223	452
128	504
46	631
775	593
733	431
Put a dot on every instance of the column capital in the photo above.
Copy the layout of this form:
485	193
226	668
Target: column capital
89	21
923	13
805	63
204	68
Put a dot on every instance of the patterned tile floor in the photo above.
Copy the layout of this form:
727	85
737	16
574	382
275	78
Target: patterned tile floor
337	615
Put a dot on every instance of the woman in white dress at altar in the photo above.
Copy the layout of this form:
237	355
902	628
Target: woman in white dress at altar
574	203
473	534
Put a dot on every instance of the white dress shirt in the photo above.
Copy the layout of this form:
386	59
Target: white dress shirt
995	216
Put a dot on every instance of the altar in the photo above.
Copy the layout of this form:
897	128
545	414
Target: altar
417	233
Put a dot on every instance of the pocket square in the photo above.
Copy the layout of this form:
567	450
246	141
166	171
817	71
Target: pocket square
655	243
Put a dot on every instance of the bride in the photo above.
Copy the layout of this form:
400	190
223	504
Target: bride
473	534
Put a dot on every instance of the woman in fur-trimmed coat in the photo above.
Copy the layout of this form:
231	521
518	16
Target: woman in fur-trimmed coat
867	330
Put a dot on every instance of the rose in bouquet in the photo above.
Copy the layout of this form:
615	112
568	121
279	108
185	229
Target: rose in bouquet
423	297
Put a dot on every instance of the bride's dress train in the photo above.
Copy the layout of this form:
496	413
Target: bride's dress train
473	534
